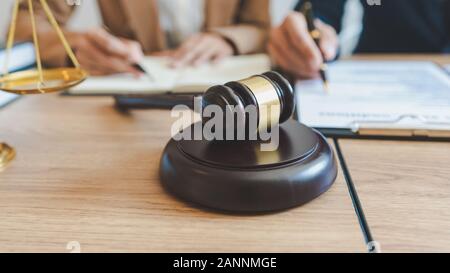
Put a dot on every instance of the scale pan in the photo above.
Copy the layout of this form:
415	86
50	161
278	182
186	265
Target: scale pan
28	82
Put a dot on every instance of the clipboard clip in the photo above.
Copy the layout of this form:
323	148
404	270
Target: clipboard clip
409	125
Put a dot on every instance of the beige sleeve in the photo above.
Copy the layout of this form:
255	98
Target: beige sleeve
51	49
250	32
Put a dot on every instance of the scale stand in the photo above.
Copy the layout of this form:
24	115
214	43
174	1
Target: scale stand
40	80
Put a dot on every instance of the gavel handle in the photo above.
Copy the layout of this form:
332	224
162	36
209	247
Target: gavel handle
165	101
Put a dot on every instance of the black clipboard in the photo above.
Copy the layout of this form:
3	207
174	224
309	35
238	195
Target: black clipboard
385	131
348	134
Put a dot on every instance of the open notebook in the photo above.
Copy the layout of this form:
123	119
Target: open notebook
165	79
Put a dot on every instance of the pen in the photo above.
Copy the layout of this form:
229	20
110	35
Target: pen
316	35
134	65
141	69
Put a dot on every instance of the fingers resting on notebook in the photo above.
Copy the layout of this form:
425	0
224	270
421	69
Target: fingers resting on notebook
201	48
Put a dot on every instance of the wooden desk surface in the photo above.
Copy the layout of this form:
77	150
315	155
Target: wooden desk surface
404	188
86	173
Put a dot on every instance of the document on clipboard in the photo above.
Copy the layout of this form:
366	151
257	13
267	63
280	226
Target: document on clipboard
379	98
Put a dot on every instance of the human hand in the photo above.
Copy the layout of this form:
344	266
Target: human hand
201	48
168	53
293	49
101	53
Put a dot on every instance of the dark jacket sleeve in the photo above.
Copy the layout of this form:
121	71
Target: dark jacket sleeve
329	11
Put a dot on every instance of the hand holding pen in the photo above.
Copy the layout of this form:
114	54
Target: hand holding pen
101	53
293	48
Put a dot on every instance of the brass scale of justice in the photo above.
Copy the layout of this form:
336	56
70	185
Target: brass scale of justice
36	81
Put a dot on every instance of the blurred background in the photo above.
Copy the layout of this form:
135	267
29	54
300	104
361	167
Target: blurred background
87	15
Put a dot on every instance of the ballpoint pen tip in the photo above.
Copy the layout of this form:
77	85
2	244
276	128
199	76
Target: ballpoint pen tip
326	86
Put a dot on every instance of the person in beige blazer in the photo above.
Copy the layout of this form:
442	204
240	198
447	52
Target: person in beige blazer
133	28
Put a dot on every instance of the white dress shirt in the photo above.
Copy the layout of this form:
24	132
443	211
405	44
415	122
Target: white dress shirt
180	19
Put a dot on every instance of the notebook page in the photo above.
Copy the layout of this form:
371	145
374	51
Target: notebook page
6	98
376	91
162	79
22	56
231	69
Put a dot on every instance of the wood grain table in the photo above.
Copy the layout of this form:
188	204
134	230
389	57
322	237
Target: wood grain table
89	174
404	188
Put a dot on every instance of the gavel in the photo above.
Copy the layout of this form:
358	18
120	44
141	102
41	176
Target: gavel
268	91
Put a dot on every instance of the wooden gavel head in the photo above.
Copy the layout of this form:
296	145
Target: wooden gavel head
270	94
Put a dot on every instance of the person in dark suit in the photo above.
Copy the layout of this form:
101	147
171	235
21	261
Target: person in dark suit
393	26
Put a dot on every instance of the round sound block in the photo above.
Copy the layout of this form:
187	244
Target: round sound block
237	176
